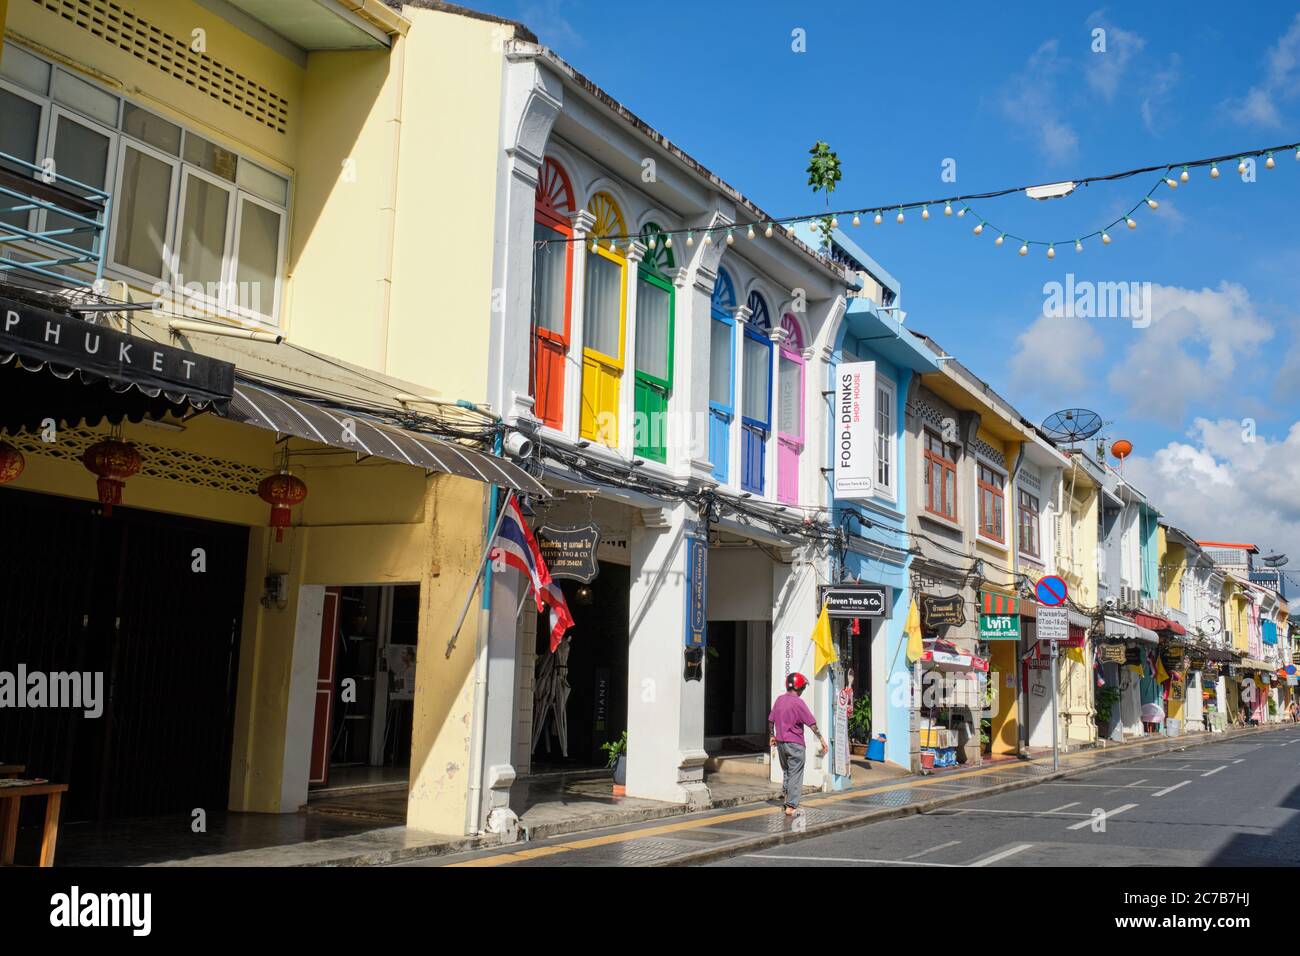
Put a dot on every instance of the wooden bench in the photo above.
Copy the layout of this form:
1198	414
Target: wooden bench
11	801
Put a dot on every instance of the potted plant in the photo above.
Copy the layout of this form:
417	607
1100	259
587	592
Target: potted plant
616	751
860	725
1107	698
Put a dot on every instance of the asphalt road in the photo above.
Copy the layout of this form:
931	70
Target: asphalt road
1231	804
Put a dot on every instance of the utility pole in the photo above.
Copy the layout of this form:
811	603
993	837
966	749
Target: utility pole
1056	716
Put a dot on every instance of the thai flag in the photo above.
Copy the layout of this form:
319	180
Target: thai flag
516	545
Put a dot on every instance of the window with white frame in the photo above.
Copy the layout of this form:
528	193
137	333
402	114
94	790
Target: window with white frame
885	438
186	212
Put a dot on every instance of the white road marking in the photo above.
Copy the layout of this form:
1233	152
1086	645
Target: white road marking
1239	760
1161	793
1001	856
941	846
845	859
1210	773
1102	786
1136	782
1104	816
1018	813
1064	806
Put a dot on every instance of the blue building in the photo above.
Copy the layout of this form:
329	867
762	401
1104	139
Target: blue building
874	549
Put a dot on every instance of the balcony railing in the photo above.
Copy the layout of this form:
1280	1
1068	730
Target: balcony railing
52	227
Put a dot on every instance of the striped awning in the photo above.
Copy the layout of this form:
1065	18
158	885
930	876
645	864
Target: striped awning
992	602
288	414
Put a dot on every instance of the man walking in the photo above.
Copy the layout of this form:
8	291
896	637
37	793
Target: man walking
785	727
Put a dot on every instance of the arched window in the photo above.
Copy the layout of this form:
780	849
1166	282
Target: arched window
604	321
722	324
552	290
756	397
655	308
790	412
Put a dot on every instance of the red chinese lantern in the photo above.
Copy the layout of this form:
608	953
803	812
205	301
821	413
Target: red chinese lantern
281	491
114	461
12	463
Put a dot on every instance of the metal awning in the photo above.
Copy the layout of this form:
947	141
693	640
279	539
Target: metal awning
288	414
1120	627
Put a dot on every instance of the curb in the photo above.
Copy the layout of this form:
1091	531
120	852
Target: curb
877	816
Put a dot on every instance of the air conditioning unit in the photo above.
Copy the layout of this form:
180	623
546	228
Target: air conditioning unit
1129	598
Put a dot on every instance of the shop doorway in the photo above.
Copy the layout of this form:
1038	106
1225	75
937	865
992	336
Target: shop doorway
365	689
590	686
151	604
737	682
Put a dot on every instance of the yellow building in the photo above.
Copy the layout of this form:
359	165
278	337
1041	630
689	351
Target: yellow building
277	180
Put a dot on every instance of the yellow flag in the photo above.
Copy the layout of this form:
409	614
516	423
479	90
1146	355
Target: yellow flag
822	642
915	647
1162	675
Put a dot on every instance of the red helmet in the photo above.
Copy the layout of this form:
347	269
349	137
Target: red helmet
795	681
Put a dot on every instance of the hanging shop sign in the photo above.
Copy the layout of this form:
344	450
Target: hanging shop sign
999	627
1053	624
939	612
1196	663
1295	657
1176	691
1132	655
697	559
855	424
1114	653
570	552
1174	653
853	600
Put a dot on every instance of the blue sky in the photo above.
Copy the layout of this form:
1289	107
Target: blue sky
1209	392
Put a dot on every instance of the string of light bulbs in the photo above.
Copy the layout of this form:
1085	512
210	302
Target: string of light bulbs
1171	175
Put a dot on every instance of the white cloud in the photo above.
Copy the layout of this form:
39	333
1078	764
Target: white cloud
1052	358
1190	352
1220	486
1106	69
546	18
1259	107
1035	107
1158	89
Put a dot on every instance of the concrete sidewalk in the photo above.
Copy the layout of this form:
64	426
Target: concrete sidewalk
713	834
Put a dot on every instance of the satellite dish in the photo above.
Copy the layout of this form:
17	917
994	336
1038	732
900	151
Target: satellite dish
1275	560
1072	424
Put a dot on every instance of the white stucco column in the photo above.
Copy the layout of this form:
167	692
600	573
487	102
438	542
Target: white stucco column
498	772
627	393
665	712
779	336
736	467
794	613
532	98
582	223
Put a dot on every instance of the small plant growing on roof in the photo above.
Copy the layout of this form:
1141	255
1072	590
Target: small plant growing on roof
823	175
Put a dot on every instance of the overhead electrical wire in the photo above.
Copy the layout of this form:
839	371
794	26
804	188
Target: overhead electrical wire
1172	173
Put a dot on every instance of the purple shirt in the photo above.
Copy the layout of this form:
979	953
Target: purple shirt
789	715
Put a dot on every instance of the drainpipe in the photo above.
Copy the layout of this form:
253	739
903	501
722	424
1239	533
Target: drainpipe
389	209
474	809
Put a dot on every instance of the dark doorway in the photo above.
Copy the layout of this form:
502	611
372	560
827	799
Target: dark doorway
597	671
153	603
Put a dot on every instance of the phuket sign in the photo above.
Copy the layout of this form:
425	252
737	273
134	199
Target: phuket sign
855	430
